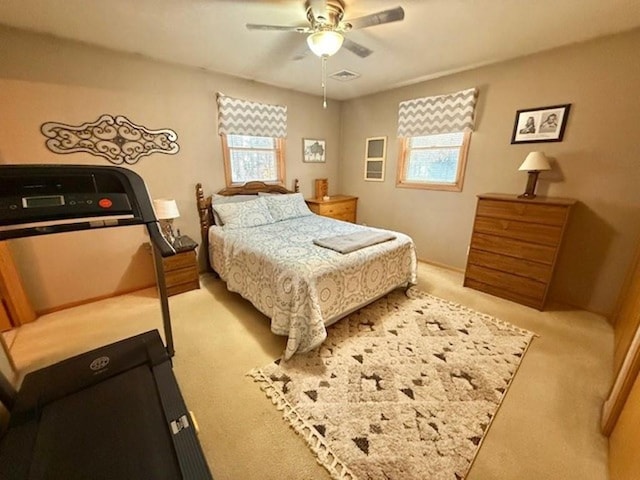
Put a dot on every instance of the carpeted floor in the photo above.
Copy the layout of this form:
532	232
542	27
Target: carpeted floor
546	428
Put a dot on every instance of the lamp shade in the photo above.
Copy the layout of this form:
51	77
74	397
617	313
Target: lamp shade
535	162
166	209
325	43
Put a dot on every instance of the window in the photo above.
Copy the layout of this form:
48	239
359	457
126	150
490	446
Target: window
248	158
252	136
433	162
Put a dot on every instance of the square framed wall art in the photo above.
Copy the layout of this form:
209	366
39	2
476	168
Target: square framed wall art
313	150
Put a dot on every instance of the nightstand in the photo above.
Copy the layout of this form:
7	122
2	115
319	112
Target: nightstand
181	270
340	207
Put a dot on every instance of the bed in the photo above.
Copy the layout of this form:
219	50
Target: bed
261	243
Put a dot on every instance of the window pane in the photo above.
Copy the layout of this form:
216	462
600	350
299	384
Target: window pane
441	140
374	169
433	165
247	141
375	148
248	165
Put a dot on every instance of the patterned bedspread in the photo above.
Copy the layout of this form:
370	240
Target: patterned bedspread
300	286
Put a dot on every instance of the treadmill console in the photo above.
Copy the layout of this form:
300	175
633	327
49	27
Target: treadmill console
29	199
45	199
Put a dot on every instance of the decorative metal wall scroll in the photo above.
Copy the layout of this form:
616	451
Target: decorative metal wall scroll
117	139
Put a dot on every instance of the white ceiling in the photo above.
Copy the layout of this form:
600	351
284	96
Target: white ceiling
436	37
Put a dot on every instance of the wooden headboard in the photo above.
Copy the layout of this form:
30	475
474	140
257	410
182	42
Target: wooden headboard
205	210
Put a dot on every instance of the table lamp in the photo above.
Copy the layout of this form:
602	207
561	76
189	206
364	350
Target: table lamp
535	163
166	210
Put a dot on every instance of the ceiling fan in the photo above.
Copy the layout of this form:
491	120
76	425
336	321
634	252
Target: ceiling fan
327	26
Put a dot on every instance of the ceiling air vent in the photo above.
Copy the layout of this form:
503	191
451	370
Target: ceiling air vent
344	75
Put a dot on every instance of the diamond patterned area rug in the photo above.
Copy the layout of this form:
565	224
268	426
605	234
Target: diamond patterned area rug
403	389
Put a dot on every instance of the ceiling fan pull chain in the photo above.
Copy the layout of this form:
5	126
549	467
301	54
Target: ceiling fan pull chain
324	81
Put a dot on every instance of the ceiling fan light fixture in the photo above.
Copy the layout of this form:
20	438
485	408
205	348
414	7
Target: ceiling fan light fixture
325	43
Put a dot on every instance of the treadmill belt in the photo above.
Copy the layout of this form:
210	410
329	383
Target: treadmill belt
115	412
114	424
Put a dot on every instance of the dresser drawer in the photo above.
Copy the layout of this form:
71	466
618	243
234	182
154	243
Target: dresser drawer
498	292
340	211
179	260
508	282
540	272
529	232
525	212
181	275
340	207
183	287
345	217
514	248
334	209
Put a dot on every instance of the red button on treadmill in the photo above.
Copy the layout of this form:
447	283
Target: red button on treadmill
105	203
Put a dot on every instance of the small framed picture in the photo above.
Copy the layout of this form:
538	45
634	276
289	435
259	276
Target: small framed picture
313	150
543	124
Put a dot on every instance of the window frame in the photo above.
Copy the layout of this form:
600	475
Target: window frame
280	161
402	182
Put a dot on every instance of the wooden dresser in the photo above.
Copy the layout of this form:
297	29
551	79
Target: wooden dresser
340	207
514	246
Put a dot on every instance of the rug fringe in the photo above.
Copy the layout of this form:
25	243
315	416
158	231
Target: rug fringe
324	455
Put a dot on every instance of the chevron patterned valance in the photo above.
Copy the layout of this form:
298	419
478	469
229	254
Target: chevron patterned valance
440	114
243	117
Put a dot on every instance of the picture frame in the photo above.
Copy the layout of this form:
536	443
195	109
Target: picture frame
374	159
542	124
314	150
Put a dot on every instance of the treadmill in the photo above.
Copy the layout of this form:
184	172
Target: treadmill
115	412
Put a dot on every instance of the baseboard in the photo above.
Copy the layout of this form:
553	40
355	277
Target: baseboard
441	265
57	308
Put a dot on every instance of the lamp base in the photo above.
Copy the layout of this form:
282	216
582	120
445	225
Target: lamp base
531	185
166	227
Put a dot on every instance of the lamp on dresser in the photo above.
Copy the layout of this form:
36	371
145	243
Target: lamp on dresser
535	163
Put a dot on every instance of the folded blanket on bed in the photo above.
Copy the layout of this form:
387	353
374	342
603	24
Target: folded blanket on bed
354	241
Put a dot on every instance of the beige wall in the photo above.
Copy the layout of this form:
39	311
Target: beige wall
44	79
598	162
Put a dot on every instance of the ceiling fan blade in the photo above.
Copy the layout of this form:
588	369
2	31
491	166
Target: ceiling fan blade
281	28
385	16
356	48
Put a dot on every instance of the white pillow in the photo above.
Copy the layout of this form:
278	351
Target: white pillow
220	199
251	213
284	207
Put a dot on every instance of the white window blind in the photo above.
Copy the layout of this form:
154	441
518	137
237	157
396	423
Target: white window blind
244	117
449	113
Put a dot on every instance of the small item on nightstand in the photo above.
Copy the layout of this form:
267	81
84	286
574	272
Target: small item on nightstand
322	187
326	198
177	243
